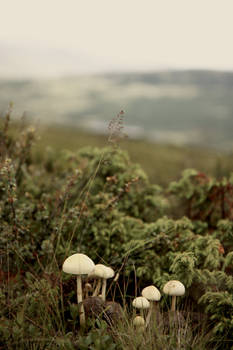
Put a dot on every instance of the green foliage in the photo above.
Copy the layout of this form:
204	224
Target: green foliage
98	202
220	306
98	339
204	198
224	232
183	266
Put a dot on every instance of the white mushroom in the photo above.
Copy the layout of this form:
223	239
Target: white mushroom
109	273
79	264
102	272
175	289
139	323
141	303
95	275
152	294
93	278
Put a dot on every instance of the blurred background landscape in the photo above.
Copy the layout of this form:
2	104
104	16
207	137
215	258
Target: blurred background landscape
70	71
176	107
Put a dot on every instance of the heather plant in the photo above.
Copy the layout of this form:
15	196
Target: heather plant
98	202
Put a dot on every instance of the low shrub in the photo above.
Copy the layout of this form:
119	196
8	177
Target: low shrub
97	202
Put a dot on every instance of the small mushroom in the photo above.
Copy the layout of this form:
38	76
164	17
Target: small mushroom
141	303
139	323
152	294
87	288
175	289
79	264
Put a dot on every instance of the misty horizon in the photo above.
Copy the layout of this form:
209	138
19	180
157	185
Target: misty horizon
32	61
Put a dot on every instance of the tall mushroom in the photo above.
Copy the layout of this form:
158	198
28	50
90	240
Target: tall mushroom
108	273
79	264
175	289
102	272
95	274
152	294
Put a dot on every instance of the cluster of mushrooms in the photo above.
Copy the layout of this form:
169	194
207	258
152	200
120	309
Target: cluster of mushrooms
81	265
150	296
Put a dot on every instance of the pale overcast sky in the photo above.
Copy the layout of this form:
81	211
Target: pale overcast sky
133	34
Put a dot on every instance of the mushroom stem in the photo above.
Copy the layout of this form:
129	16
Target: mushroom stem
80	301
173	308
87	289
150	312
103	292
97	288
94	285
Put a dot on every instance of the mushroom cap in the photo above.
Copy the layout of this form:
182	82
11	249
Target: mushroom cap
151	293
141	303
102	271
88	287
138	321
91	275
78	264
174	288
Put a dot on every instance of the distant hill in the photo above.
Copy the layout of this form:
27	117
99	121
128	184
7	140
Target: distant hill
181	107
